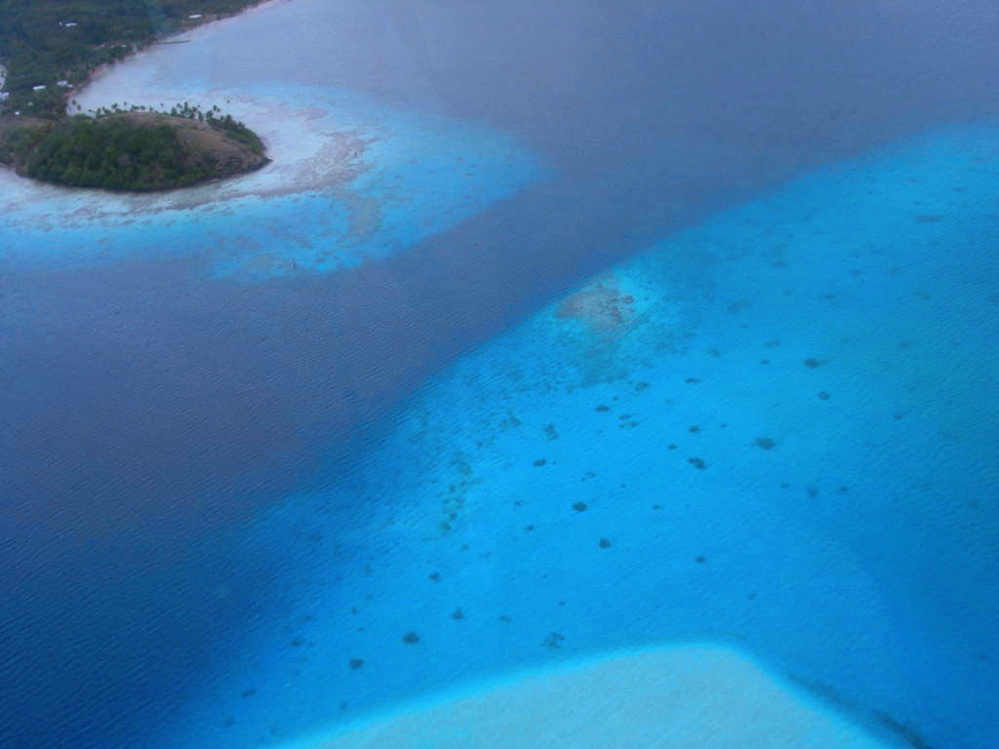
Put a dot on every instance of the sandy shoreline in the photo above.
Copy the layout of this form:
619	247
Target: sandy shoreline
309	150
348	173
686	697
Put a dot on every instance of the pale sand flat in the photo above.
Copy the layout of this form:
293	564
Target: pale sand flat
691	697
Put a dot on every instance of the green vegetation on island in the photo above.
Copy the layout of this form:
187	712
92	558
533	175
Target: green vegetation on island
135	149
49	47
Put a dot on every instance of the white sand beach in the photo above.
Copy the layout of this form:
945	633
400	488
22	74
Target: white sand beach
690	697
311	149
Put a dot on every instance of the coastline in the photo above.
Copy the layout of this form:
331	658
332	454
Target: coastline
308	152
684	697
347	170
172	38
81	76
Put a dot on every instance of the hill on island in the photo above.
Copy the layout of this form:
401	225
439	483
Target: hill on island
133	151
49	48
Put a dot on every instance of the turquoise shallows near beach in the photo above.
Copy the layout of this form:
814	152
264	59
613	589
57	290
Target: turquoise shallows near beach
646	394
766	432
351	179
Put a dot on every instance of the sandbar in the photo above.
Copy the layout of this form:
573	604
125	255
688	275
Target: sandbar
686	697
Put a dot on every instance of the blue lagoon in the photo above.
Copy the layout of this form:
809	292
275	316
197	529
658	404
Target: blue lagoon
541	389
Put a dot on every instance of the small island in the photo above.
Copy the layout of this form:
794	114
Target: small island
49	48
134	150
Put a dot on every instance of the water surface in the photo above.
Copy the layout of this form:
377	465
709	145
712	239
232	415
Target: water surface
210	459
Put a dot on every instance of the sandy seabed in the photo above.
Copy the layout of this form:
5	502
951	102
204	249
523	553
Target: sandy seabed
690	697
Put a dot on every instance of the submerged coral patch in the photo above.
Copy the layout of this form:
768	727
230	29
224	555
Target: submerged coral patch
602	306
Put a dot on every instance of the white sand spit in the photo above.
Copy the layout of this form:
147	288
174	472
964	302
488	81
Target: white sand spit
692	697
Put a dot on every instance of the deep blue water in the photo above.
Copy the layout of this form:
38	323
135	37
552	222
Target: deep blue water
200	467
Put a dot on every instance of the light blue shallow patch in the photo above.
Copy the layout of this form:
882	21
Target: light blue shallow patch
414	176
781	425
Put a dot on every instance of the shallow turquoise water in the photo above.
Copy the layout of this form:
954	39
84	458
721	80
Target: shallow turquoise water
414	175
822	350
249	444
